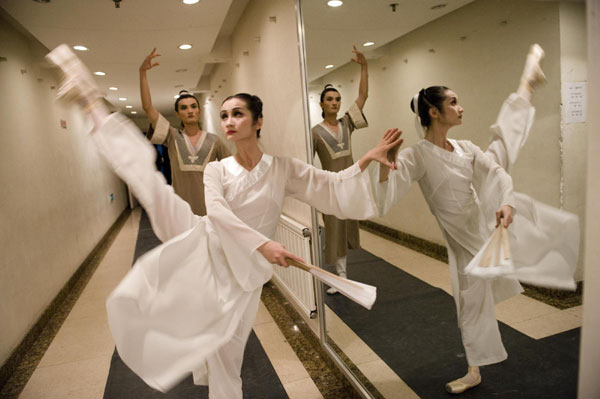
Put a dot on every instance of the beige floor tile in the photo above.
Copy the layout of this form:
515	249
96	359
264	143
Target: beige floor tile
576	311
386	380
520	308
350	343
302	389
262	316
83	379
550	324
284	360
79	339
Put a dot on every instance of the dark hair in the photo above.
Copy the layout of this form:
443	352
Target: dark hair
253	103
185	94
328	87
430	97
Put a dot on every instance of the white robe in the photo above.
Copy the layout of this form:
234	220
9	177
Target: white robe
184	300
464	188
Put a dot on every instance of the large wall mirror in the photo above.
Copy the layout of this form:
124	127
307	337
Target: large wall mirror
409	345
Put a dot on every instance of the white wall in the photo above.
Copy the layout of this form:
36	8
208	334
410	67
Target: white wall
573	51
266	63
478	51
55	202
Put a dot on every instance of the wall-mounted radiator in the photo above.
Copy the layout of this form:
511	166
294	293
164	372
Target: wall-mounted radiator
297	283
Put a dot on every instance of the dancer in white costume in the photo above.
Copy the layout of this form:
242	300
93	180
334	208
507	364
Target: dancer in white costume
189	304
465	187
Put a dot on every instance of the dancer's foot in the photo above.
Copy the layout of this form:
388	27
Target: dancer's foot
470	380
77	83
533	76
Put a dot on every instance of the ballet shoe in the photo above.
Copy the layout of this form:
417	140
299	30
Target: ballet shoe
533	76
331	291
77	83
464	383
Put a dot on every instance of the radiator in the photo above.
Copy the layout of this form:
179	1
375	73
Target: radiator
298	284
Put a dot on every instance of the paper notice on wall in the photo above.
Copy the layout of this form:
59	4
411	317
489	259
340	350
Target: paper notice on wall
575	101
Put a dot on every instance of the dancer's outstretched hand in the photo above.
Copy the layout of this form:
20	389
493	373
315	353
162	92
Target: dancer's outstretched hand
276	253
504	215
359	57
387	148
148	61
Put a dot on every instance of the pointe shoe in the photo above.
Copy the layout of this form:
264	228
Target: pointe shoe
331	291
533	76
77	83
464	383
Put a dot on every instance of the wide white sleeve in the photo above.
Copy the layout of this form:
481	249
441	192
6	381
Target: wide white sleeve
159	132
492	183
346	194
132	158
510	131
410	168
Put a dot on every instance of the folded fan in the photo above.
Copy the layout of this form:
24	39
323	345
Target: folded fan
363	294
493	260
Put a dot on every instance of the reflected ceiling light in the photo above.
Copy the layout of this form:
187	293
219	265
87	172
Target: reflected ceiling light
99	73
335	3
134	112
367	44
190	1
122	99
80	48
329	66
439	6
185	46
113	88
129	106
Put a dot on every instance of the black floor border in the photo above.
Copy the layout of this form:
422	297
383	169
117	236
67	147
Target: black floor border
21	364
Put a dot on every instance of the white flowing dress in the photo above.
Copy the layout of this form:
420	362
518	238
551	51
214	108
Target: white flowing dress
463	189
183	303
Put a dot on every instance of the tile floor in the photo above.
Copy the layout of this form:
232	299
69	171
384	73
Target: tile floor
82	369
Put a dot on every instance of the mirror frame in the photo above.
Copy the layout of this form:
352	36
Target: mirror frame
316	236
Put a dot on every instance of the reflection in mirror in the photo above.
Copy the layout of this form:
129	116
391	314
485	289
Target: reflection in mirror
409	345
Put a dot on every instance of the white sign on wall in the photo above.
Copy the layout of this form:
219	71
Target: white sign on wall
575	101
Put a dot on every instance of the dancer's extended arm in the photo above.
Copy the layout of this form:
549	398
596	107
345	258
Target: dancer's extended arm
148	63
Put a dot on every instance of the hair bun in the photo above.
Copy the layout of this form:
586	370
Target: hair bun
327	86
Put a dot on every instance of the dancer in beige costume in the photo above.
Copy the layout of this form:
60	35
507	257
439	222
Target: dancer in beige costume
332	142
190	148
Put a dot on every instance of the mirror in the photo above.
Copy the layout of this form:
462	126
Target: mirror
409	345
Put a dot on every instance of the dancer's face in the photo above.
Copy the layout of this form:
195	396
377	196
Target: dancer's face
237	121
332	100
451	111
188	111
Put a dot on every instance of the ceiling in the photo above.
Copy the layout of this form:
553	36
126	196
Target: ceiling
331	32
118	39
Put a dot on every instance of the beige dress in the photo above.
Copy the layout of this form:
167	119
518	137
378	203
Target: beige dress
335	153
188	162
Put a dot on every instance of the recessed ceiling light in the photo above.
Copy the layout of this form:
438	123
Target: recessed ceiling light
122	99
176	96
80	48
129	106
437	7
99	73
185	46
177	86
329	66
190	1
367	44
42	1
113	88
335	3
134	112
